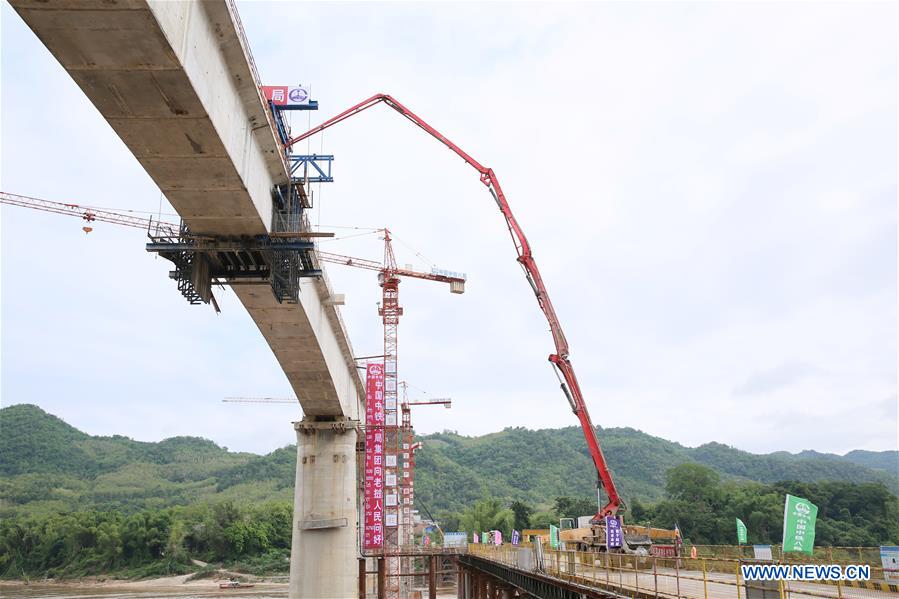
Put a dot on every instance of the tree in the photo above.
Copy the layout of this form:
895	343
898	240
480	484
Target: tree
692	483
486	515
543	519
450	521
522	513
637	512
568	507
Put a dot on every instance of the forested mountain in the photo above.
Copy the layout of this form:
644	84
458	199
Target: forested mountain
48	466
535	466
76	505
888	461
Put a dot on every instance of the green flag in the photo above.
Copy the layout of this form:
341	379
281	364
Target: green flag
553	537
741	533
799	525
484	538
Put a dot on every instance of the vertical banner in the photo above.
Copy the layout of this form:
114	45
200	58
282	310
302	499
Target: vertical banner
474	537
516	537
553	537
889	559
742	533
497	537
613	532
373	531
799	525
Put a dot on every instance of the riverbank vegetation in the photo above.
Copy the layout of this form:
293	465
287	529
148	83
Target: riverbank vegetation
705	509
74	505
251	539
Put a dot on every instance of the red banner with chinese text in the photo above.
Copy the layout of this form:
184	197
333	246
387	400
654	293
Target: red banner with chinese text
373	531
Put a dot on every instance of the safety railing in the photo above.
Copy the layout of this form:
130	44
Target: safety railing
828	555
648	576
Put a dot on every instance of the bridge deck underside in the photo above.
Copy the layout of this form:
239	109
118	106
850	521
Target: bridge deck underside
173	80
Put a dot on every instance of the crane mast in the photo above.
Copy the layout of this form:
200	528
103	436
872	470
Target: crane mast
559	359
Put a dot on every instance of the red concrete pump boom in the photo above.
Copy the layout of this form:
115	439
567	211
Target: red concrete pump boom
559	359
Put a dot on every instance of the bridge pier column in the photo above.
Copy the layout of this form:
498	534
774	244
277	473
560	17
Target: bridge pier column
323	548
506	592
483	586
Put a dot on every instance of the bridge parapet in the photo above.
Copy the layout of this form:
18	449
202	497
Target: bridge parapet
650	577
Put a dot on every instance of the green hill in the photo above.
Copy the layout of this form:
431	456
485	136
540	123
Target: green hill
888	461
535	466
48	466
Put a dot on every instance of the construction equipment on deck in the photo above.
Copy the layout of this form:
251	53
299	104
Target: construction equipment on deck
636	539
559	359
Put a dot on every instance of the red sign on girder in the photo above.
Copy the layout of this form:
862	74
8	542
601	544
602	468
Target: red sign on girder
286	95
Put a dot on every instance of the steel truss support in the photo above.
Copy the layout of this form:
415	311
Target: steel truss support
281	259
311	168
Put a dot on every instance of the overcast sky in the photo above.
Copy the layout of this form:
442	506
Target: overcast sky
710	190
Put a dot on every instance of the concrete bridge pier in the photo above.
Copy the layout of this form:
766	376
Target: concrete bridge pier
323	551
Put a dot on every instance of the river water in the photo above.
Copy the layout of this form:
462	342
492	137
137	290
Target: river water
59	592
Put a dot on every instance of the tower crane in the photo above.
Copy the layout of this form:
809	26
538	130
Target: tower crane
560	357
86	213
389	276
398	434
409	446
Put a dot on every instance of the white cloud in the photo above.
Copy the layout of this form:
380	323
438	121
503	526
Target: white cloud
709	188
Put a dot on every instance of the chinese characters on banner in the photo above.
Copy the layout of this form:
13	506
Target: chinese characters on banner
373	533
286	95
516	537
553	537
742	533
799	525
613	532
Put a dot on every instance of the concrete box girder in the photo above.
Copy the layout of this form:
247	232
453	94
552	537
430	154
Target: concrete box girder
171	138
110	5
140	93
102	39
173	80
